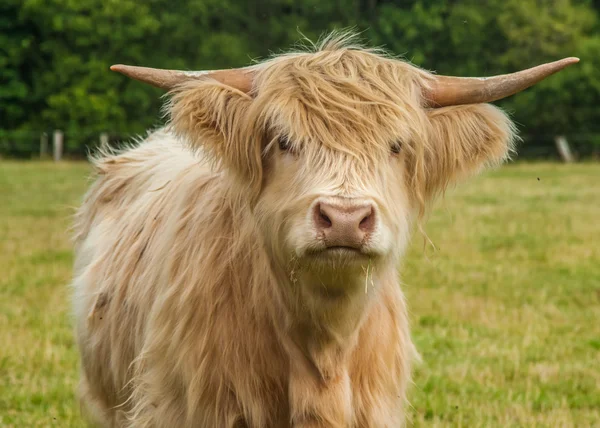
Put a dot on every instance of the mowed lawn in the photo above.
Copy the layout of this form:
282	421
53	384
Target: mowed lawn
505	312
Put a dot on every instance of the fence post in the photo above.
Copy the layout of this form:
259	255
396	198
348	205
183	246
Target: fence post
43	145
58	145
103	140
563	149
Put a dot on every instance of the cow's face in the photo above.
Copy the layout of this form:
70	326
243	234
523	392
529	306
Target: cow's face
334	199
324	210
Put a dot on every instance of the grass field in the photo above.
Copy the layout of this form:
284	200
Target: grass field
506	311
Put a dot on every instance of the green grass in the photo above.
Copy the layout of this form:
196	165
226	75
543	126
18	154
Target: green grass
505	313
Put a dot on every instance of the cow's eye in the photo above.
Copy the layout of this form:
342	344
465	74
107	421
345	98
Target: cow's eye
284	144
396	147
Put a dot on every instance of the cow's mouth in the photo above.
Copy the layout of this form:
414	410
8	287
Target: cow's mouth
343	250
339	251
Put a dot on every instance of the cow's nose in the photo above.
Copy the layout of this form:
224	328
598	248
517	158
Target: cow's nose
344	224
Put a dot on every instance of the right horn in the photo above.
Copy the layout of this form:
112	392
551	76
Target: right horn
448	90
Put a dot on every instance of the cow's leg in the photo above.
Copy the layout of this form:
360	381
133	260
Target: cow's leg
376	410
173	414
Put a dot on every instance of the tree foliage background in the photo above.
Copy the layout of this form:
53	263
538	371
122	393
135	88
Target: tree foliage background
55	54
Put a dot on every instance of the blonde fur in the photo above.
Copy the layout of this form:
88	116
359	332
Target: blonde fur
196	300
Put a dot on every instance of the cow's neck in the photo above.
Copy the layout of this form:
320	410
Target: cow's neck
325	315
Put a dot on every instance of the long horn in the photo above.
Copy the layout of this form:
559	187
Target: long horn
238	78
448	90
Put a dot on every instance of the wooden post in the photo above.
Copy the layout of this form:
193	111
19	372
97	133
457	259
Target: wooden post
103	140
43	145
58	145
563	149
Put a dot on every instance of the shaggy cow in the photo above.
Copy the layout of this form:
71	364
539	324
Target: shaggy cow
238	268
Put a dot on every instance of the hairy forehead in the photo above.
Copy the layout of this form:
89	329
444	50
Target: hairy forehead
343	97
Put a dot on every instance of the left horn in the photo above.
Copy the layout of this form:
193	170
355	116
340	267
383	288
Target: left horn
447	90
238	78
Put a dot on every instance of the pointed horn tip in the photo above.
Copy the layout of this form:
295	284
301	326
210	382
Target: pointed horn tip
571	60
564	63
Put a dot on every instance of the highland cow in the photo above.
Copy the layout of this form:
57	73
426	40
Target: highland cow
238	268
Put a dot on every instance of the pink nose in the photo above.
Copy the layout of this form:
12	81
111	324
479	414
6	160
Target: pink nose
344	224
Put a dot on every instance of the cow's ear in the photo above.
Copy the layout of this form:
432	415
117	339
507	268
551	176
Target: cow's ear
463	140
212	117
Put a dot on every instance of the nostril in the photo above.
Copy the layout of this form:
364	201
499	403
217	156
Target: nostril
368	222
321	218
326	220
364	221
